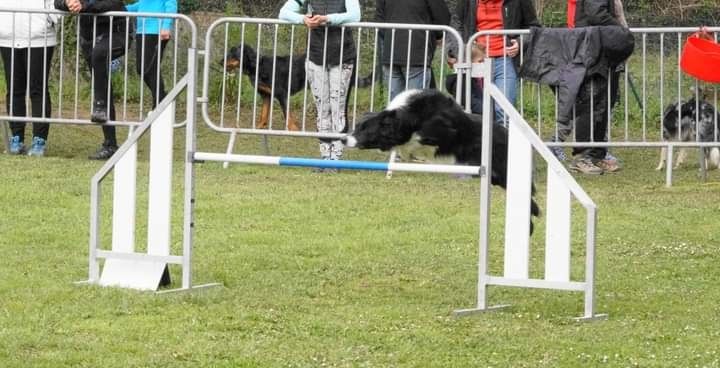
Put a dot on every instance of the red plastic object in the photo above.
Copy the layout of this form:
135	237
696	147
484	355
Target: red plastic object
701	59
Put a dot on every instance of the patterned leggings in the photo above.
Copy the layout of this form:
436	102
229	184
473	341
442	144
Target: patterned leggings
329	87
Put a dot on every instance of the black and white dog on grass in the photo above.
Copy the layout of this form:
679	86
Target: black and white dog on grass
436	120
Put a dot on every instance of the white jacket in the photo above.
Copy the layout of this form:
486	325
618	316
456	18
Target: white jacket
37	29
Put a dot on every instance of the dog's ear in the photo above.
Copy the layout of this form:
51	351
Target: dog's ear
670	111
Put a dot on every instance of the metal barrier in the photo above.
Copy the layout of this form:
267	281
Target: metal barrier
70	83
651	81
239	99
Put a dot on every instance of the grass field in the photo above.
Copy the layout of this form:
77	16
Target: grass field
353	270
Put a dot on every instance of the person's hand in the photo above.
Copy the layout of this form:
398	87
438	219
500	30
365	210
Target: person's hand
314	21
165	34
451	61
513	49
74	6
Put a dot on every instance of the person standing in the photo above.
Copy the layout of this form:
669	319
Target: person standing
483	15
591	107
415	73
100	44
152	35
330	63
27	44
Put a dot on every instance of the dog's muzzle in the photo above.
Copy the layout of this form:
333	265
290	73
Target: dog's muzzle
350	141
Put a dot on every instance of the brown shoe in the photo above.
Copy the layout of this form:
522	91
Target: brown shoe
585	165
608	165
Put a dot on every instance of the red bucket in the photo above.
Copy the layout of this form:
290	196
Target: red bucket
701	59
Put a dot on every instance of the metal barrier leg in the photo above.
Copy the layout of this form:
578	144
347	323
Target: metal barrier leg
704	152
393	157
669	166
231	145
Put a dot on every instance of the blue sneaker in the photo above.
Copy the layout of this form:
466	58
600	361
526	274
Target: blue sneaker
38	147
16	147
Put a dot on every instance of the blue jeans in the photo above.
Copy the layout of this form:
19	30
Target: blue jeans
416	75
505	78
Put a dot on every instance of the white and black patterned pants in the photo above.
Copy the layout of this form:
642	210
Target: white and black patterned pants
329	87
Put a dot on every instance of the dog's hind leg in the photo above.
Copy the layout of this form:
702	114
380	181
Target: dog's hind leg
292	123
264	113
663	156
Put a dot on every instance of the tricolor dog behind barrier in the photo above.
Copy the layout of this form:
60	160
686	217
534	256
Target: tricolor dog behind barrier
690	121
440	122
289	76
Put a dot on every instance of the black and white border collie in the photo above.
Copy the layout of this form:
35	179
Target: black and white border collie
690	121
437	120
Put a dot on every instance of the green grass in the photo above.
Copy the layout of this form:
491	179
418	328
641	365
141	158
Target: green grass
352	270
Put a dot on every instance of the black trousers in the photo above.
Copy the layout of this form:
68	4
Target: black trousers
29	73
98	57
592	100
149	58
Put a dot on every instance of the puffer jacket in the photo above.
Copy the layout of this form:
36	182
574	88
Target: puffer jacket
565	58
27	29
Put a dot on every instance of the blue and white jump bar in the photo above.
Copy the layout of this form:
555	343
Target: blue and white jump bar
339	164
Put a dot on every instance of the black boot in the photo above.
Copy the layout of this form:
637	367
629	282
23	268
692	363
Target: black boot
105	151
99	112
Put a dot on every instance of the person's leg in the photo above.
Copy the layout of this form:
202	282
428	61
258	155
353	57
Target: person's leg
600	118
99	57
150	49
476	95
418	77
319	86
40	60
585	117
15	63
340	77
505	78
99	62
397	80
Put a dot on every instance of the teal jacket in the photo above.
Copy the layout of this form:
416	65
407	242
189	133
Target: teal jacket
153	25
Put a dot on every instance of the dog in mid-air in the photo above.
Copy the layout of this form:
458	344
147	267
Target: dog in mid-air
252	64
690	121
440	122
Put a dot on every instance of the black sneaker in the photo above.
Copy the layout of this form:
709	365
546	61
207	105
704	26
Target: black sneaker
99	112
104	152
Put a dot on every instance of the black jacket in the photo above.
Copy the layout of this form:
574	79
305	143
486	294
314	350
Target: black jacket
565	58
595	13
517	14
103	23
414	12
